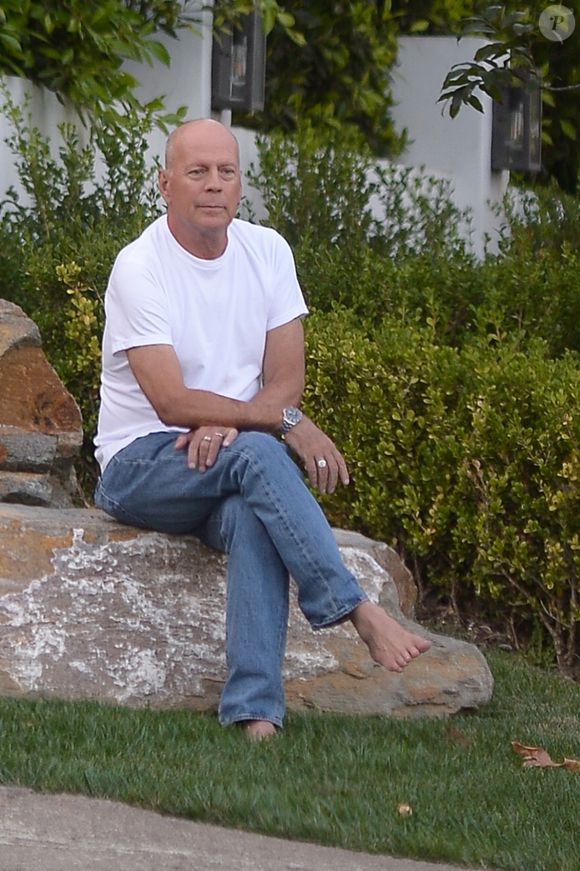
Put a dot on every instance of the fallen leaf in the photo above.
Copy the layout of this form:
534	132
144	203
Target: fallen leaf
537	757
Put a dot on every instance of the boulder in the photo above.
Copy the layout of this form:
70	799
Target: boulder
40	423
93	609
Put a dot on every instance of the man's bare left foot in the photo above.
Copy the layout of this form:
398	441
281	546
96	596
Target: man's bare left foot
259	730
388	642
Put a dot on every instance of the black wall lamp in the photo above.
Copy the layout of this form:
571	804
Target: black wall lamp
516	141
238	70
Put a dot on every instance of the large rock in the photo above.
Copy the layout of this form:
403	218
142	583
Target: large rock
90	608
40	423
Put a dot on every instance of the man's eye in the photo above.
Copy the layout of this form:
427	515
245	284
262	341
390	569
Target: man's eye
195	173
228	171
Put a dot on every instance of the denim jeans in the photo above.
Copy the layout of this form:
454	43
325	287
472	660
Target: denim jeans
253	505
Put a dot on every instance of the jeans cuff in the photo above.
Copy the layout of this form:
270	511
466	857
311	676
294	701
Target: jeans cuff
340	615
241	718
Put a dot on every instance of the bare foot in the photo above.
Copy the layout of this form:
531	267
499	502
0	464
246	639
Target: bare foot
259	730
388	642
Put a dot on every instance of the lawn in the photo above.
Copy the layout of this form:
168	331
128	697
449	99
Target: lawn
335	780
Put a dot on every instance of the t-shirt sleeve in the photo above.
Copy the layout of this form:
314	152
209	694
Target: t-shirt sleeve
136	307
287	301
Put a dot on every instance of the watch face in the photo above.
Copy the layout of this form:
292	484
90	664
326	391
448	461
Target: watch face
292	416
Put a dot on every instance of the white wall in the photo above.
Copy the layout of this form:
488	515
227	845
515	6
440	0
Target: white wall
459	148
47	114
187	81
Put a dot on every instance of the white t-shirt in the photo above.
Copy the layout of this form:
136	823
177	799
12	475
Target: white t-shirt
215	314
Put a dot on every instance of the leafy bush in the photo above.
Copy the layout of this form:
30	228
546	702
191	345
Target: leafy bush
389	239
77	48
339	78
60	238
318	190
466	460
534	286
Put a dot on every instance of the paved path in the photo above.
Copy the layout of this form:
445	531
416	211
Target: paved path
41	832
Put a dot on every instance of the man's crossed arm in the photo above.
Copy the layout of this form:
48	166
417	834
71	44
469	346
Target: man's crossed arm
207	414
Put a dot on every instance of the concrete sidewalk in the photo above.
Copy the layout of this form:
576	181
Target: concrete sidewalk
41	832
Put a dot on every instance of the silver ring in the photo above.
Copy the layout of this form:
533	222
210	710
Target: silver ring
220	434
321	463
206	439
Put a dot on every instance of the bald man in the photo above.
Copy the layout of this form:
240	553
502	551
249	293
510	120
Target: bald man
202	378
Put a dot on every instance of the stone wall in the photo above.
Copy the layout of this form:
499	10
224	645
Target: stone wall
40	423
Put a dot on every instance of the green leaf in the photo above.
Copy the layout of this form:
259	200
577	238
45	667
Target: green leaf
568	129
286	19
159	51
494	50
387	6
297	38
11	42
473	101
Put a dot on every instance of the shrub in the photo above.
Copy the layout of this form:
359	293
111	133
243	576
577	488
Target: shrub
60	238
382	240
466	460
317	190
534	284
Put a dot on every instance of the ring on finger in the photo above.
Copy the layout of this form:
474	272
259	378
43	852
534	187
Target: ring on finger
221	435
206	439
321	463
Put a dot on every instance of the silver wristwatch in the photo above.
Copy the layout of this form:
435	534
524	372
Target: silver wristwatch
290	417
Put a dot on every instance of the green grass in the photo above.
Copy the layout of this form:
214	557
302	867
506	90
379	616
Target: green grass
332	779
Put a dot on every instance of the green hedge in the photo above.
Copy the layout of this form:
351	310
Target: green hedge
466	460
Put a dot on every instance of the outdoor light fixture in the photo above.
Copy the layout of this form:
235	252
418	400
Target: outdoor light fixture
516	141
238	74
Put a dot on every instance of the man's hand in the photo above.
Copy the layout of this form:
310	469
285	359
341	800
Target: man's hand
204	444
324	464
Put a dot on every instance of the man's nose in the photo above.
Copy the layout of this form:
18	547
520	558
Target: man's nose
212	179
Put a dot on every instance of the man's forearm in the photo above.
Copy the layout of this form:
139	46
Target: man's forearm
265	409
195	408
159	374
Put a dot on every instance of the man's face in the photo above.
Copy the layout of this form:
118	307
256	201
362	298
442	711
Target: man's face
201	182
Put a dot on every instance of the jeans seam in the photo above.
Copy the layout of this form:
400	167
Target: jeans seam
120	509
280	509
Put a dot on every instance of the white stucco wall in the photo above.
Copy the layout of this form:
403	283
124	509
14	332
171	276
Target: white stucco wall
459	148
187	81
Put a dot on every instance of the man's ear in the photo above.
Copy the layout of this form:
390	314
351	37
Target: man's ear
162	183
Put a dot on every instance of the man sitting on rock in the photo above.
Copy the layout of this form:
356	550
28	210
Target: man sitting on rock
203	369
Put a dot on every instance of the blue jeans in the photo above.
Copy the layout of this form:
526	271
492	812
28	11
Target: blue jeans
253	505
